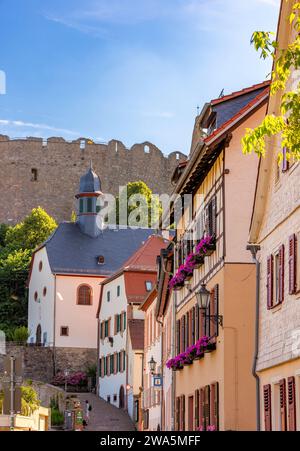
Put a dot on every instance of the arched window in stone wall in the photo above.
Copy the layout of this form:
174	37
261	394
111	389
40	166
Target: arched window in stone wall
84	295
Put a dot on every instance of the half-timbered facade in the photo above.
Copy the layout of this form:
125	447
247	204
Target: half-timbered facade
215	389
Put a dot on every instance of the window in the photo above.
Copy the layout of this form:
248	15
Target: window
35	296
148	285
89	205
101	260
107	328
108	296
84	295
124	321
108	398
211	217
44	338
118	290
81	205
34	175
112	367
44	291
136	410
115	398
64	331
275	278
40	266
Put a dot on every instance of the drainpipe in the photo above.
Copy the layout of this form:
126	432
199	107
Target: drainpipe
162	371
254	248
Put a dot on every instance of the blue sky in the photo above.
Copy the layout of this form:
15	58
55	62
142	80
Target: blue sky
133	70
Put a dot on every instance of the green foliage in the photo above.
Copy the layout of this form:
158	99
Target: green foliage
33	231
286	125
29	401
73	216
16	246
20	334
91	371
57	417
143	207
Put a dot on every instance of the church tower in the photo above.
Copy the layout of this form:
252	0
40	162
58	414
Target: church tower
89	191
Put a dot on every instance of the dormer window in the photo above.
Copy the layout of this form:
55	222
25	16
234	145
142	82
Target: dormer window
148	284
100	260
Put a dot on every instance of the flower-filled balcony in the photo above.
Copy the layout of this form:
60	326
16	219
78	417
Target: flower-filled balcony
194	260
194	352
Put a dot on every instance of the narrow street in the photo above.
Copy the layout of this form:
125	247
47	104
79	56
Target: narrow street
104	416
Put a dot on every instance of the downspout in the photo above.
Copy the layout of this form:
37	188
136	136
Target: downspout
162	371
54	324
254	248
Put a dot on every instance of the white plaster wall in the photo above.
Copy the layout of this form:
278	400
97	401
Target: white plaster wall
41	311
110	385
81	319
153	350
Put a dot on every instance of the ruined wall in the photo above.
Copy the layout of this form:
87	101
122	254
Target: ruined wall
59	165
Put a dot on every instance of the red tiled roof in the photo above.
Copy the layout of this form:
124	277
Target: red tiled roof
241	92
244	110
136	331
135	284
145	257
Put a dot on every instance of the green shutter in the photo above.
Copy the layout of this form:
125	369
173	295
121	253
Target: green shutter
124	320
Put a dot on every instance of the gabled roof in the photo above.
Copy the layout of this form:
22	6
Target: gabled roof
241	92
149	299
143	259
229	115
136	332
254	103
72	252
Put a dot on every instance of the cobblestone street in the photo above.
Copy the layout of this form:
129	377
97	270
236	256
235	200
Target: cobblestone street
104	416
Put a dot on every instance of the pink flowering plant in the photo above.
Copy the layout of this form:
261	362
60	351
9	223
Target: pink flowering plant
210	428
191	353
78	378
186	269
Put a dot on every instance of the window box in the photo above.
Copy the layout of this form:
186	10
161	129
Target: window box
210	248
178	286
198	260
212	346
199	356
177	368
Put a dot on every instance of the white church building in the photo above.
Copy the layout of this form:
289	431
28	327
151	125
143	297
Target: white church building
65	276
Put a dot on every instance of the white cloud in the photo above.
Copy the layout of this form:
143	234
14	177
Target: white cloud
41	127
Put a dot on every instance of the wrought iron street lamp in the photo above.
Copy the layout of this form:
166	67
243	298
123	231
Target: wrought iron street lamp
152	365
203	299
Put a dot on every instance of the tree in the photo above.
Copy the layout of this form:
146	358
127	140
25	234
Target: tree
29	400
16	246
141	207
286	124
30	233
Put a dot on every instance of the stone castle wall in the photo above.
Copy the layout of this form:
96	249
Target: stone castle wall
59	164
42	363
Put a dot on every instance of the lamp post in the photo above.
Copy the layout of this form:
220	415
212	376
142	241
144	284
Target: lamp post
203	299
